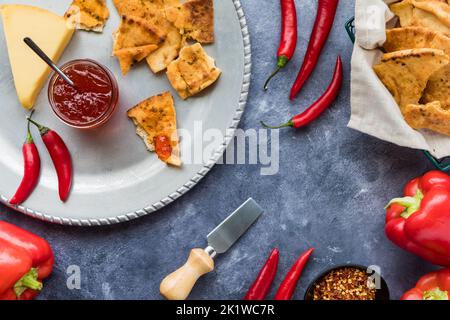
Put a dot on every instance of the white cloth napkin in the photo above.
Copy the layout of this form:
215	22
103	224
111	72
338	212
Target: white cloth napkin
374	110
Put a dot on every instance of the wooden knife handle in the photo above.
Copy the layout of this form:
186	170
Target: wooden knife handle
178	285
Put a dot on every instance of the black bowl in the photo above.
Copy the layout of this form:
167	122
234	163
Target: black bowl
381	294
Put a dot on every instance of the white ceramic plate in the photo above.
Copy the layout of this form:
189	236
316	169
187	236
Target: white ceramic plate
116	179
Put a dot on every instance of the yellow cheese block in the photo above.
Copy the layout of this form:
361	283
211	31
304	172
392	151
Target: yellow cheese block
50	32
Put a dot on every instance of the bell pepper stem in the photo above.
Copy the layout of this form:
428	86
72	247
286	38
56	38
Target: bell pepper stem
28	281
411	204
290	123
436	294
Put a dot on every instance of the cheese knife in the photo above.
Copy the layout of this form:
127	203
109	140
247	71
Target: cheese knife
178	285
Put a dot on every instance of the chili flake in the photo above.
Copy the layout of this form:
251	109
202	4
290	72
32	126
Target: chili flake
345	284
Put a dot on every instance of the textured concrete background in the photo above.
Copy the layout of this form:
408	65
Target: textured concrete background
330	193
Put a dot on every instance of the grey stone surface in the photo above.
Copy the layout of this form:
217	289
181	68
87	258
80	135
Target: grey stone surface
330	193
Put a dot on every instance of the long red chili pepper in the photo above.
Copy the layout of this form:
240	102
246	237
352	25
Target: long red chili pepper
261	286
287	287
32	169
60	156
288	41
324	22
318	107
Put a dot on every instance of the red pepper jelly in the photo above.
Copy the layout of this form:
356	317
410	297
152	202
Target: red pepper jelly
91	102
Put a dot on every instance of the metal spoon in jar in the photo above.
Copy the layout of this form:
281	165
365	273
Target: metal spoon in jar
47	60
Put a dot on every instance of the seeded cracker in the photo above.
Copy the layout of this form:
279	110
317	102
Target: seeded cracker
406	73
193	71
431	14
154	13
155	118
195	19
135	40
90	15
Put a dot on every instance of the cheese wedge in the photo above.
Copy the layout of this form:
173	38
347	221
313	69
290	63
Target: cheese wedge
50	32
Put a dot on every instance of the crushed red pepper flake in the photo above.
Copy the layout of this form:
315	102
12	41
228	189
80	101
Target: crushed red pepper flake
345	284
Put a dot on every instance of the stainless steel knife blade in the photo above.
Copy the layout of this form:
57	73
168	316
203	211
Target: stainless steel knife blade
233	227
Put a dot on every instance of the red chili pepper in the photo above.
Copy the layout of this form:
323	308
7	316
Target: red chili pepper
261	286
319	107
287	287
32	168
60	156
288	41
25	260
324	22
432	286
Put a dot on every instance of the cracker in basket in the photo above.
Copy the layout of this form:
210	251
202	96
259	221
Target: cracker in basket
193	71
431	15
440	9
405	73
195	19
89	15
426	13
135	40
404	10
438	88
430	116
415	38
156	123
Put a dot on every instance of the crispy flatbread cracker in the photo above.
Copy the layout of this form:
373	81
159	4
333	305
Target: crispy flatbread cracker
193	71
129	56
143	8
439	9
430	20
438	88
135	40
156	123
415	38
168	51
404	10
430	116
154	13
426	19
195	19
405	73
425	13
135	8
90	15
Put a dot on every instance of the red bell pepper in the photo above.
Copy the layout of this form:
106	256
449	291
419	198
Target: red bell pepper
420	222
433	286
25	260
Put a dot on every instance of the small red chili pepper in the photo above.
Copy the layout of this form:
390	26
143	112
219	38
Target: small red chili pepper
261	286
319	107
287	287
32	168
60	156
324	22
288	41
